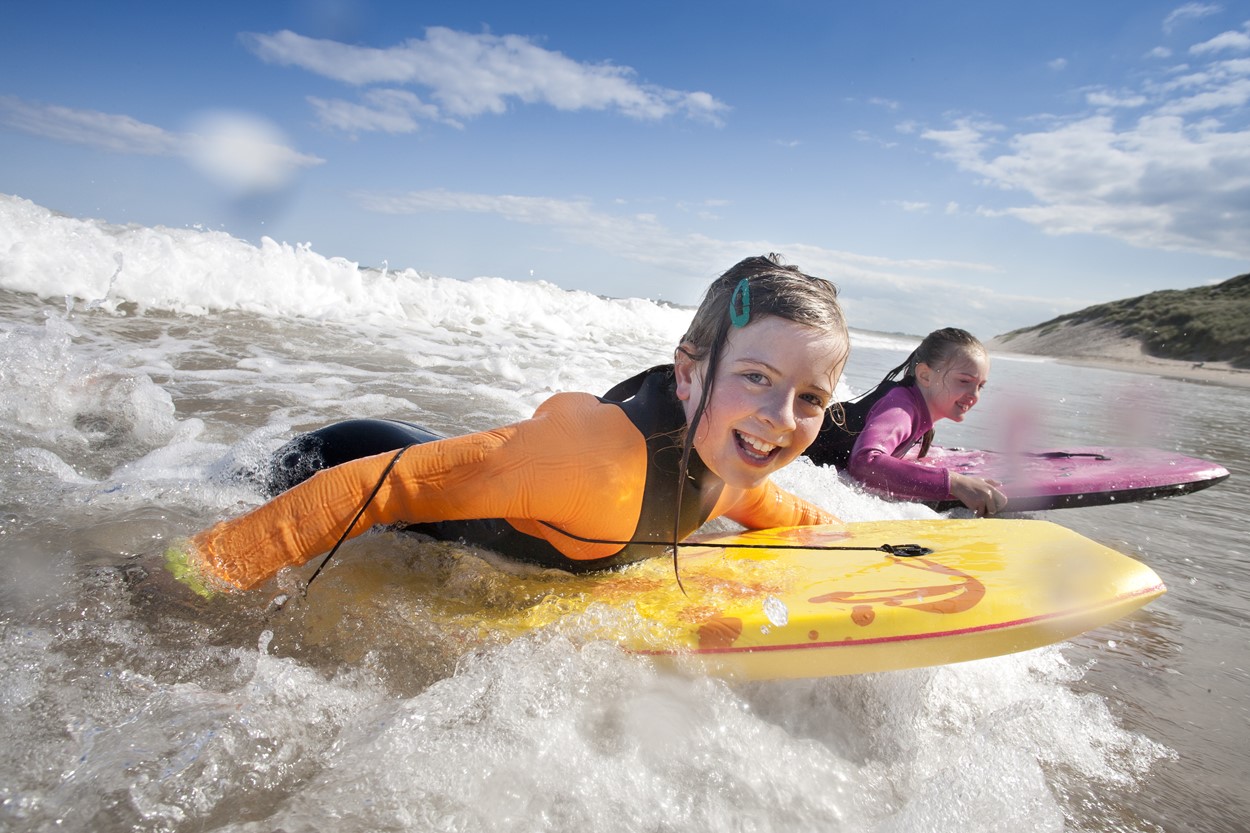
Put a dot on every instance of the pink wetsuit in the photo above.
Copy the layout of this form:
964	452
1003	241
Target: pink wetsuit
892	427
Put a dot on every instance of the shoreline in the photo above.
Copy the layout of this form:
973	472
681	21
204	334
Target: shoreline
1213	373
1087	345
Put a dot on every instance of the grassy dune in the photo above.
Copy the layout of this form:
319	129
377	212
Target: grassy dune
1203	324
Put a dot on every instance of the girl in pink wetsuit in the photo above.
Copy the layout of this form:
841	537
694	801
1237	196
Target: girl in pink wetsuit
941	379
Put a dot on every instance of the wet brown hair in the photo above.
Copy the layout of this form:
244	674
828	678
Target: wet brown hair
775	288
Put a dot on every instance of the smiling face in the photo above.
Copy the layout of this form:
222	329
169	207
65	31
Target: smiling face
775	379
951	390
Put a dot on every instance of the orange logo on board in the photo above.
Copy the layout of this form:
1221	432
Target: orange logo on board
936	598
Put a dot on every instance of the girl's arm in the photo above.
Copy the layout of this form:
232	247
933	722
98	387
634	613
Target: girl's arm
768	506
873	463
578	464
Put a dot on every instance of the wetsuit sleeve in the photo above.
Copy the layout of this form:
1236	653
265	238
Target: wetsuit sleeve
578	464
768	506
872	461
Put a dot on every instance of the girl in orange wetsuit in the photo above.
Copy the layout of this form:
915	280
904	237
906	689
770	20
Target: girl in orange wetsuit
588	482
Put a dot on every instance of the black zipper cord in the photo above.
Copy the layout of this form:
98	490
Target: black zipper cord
899	550
377	488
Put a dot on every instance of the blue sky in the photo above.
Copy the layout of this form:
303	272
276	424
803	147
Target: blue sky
978	164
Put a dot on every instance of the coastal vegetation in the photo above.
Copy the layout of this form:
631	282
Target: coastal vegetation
1202	324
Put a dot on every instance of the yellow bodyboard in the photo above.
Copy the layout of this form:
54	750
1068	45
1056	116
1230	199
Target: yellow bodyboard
827	600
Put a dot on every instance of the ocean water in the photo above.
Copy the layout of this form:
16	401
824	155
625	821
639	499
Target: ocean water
145	371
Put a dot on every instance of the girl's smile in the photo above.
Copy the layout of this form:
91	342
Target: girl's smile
754	448
775	380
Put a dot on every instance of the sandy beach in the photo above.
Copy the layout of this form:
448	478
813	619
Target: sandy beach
1094	346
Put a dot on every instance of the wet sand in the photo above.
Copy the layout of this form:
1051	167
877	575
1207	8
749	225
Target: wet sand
1094	346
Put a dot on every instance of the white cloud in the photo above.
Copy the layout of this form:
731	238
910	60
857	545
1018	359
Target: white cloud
1173	175
385	110
469	75
965	142
869	138
1236	41
1157	184
1189	11
1222	84
1159	52
1106	98
1058	64
704	209
242	152
635	236
874	286
618	233
1232	95
107	131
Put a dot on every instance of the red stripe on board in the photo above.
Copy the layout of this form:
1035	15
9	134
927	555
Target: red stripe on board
852	643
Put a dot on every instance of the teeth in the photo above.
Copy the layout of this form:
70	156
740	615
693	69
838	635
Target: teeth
759	445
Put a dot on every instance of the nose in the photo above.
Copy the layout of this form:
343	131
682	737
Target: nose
779	411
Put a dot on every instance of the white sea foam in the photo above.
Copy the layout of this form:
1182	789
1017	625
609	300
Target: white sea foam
183	358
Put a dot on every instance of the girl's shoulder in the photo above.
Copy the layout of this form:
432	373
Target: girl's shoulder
887	394
900	394
568	403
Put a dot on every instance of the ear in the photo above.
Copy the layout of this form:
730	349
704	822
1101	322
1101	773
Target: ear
924	375
685	369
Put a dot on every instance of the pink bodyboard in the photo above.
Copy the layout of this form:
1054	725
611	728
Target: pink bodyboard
1059	478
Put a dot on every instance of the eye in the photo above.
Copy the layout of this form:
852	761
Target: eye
755	377
815	400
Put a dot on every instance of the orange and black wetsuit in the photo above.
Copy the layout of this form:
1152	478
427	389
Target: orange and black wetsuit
581	468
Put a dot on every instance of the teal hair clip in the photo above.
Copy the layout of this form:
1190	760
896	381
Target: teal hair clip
740	304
